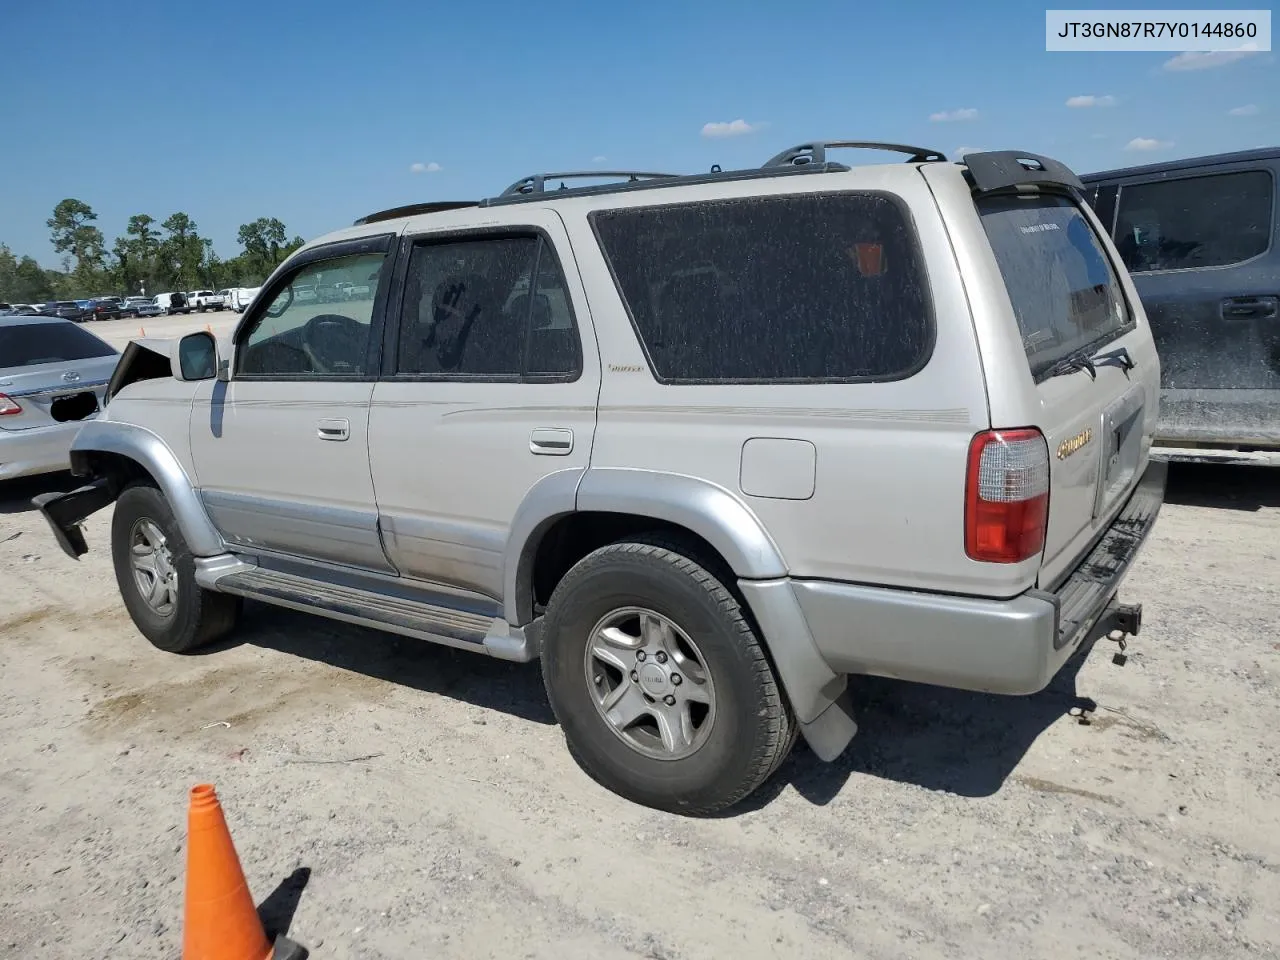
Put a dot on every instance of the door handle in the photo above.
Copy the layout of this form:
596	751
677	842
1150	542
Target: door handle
333	429
551	442
1250	308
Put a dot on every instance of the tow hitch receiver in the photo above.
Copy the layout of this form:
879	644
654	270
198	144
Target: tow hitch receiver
1127	618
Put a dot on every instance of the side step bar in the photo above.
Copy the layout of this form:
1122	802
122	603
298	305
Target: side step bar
461	629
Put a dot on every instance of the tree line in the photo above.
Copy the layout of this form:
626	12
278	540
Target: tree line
151	255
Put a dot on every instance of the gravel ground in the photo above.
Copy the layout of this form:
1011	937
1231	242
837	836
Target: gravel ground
391	799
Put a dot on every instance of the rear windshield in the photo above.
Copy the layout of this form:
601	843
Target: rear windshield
24	345
777	289
1064	291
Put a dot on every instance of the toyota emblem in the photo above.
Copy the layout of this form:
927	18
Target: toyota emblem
70	376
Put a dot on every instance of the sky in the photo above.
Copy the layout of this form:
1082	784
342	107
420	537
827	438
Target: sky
320	112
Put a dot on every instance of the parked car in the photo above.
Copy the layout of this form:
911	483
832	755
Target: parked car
748	433
1201	239
53	376
140	307
67	309
171	303
104	310
238	298
204	300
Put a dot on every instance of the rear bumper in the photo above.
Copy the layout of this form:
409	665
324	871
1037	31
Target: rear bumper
25	453
1012	646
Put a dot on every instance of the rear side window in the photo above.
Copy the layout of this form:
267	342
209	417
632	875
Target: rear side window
27	344
782	289
1209	221
1063	288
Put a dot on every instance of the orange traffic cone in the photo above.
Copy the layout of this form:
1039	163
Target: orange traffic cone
221	922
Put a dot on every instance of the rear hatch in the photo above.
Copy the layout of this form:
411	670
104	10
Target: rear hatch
1094	368
51	372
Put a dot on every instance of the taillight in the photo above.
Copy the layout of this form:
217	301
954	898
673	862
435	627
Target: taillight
8	406
1006	496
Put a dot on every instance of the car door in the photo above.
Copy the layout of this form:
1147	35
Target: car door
1199	248
489	385
280	443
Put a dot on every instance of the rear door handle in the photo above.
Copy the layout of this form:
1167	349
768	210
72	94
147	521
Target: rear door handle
333	429
550	442
1250	308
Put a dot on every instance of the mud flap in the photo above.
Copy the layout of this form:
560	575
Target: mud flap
65	511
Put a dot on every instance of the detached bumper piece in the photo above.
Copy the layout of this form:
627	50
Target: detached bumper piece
65	511
1083	598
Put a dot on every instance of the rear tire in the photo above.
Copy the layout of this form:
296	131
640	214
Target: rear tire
709	722
155	571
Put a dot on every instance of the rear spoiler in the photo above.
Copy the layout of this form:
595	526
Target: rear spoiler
1010	169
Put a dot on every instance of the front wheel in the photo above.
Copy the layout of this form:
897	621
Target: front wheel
659	681
155	572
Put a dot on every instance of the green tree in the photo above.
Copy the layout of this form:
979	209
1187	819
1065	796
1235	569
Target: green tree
181	253
74	236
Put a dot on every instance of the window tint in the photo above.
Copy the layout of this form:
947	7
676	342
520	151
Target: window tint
1063	289
475	308
27	344
1198	222
301	333
781	288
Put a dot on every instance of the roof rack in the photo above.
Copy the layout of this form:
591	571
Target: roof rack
657	181
413	210
816	152
1005	169
537	183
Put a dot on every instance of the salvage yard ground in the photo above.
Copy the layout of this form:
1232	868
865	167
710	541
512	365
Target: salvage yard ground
396	800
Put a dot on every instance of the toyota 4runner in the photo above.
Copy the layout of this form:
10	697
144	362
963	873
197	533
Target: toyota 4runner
706	445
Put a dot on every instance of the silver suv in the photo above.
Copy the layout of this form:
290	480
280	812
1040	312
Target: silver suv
707	445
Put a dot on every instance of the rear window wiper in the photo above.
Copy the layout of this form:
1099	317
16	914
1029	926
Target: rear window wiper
1115	358
1081	360
1072	363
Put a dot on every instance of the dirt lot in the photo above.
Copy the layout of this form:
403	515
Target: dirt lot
120	332
391	799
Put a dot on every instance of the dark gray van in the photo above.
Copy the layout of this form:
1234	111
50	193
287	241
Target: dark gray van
1201	239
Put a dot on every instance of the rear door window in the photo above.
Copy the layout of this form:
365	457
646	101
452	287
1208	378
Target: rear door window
1211	221
28	344
1061	283
806	288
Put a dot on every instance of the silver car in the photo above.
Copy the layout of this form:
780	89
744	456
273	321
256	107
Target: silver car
53	375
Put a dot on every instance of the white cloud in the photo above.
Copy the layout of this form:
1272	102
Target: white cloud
966	113
1143	144
734	128
432	167
1089	100
1248	110
599	159
961	151
1192	60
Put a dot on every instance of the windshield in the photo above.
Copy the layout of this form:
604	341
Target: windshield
1062	286
28	344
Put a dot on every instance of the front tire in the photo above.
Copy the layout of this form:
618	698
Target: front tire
155	572
661	686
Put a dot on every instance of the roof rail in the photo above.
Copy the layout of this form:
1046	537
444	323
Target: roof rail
537	183
413	210
816	152
1005	169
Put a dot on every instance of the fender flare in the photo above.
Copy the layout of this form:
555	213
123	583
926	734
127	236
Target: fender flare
708	510
153	455
714	514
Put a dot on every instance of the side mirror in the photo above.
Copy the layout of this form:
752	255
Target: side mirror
195	357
